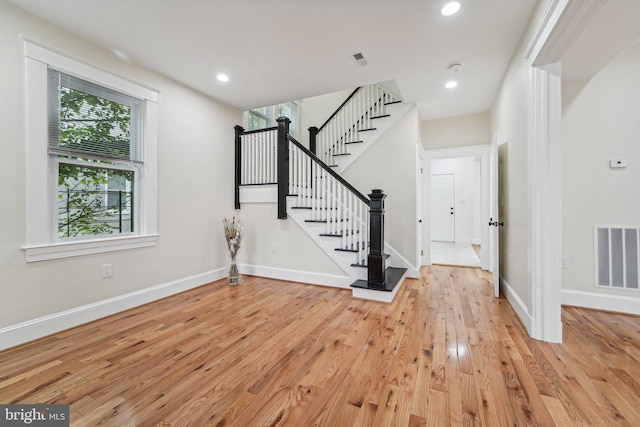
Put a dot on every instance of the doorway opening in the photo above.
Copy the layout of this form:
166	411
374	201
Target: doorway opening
474	207
456	211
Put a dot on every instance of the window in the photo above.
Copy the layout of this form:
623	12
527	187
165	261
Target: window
94	140
260	118
91	159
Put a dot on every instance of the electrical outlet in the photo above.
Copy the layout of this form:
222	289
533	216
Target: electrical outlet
565	261
106	271
274	248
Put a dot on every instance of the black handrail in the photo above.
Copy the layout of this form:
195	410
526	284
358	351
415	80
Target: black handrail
331	172
339	108
248	132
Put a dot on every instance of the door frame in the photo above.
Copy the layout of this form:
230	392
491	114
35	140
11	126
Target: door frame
446	153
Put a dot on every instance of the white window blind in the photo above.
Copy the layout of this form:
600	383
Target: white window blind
91	121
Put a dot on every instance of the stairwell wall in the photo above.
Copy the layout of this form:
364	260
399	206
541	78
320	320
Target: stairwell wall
390	164
314	111
272	243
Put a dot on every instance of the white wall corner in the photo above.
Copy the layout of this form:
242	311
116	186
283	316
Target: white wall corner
522	311
37	328
599	301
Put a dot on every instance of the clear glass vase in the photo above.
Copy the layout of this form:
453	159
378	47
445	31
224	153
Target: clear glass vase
233	273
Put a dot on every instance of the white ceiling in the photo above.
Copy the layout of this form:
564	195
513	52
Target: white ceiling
280	50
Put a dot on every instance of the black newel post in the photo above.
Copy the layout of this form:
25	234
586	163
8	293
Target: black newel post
283	166
376	259
313	132
238	159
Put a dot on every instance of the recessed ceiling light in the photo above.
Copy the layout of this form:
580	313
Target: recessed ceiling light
223	77
450	8
451	84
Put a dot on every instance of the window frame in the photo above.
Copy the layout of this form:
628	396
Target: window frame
54	192
41	167
272	115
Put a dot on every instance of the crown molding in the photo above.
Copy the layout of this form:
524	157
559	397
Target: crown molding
562	23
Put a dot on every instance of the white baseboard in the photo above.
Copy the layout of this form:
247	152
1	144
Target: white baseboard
37	328
608	302
397	260
518	305
313	278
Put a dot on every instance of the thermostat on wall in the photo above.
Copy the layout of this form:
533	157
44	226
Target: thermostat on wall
617	163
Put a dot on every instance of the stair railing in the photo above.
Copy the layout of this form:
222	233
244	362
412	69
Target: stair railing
354	115
330	200
255	158
272	156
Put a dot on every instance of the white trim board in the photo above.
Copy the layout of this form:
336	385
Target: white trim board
600	301
518	305
37	328
323	279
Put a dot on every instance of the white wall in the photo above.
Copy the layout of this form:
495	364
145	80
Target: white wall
509	119
195	181
601	121
316	110
467	197
472	129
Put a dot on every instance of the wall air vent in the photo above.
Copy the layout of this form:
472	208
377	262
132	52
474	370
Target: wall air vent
360	59
617	256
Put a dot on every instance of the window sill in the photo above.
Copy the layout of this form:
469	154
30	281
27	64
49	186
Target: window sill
87	247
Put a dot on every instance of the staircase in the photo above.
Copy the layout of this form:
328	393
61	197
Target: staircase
345	223
358	123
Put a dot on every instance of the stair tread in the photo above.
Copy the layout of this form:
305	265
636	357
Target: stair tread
381	116
393	102
367	130
347	250
393	275
342	154
354	142
324	220
340	233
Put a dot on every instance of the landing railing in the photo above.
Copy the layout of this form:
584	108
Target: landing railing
256	159
355	114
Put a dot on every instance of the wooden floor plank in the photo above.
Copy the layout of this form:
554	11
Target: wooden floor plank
445	352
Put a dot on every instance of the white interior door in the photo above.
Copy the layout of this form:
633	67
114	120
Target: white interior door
443	207
494	218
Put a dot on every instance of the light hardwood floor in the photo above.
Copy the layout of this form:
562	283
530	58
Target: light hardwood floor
272	353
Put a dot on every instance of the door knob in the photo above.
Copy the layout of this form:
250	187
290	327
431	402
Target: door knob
496	223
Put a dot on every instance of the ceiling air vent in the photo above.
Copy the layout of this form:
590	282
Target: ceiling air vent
360	59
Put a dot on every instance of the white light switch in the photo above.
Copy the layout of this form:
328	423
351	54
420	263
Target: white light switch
617	163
